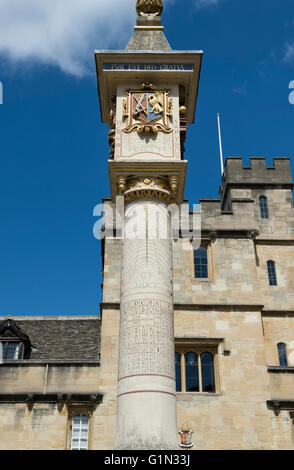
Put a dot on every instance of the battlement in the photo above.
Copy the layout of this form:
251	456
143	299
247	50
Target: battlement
257	174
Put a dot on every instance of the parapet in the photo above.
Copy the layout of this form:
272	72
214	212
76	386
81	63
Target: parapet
257	174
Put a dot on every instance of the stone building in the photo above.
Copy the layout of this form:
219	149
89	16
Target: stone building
195	343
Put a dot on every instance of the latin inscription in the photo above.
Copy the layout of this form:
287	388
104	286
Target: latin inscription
147	338
150	67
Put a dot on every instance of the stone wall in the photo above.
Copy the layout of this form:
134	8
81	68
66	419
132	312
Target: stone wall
232	274
237	417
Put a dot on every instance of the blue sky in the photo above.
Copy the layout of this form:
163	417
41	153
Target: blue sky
54	149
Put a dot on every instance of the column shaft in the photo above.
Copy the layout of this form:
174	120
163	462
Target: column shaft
146	416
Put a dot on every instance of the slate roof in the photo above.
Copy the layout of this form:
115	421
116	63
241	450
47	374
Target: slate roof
61	337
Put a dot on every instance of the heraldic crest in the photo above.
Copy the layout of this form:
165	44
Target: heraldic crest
147	110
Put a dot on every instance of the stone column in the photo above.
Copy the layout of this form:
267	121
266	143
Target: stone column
146	414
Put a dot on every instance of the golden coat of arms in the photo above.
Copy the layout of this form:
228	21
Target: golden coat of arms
147	110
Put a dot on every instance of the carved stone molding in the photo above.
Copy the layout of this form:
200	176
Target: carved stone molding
149	187
70	399
60	402
122	181
280	405
30	401
174	182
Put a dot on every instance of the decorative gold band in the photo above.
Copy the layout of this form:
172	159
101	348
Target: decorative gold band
162	188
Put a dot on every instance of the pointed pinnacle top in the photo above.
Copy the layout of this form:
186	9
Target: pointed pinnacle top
149	33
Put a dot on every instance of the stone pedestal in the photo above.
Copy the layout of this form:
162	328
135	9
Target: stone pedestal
146	414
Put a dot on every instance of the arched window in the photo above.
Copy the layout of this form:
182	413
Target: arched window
192	374
201	263
207	370
282	354
196	369
263	207
80	430
178	372
272	276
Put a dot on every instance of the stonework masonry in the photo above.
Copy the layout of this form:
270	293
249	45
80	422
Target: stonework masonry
230	385
235	305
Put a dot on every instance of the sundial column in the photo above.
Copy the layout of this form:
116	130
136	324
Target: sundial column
146	415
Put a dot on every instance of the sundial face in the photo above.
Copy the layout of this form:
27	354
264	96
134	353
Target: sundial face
147	121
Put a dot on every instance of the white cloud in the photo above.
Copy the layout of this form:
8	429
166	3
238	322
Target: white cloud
289	53
63	32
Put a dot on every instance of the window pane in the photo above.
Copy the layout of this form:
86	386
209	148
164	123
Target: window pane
263	207
77	419
178	372
282	355
12	351
201	263
272	277
80	425
207	370
192	376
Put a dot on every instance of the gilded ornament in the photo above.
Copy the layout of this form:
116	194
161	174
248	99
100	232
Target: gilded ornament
147	110
112	116
148	86
170	107
125	109
111	141
148	187
122	180
183	110
174	182
111	134
149	7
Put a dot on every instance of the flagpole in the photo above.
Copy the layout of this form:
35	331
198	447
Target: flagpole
220	144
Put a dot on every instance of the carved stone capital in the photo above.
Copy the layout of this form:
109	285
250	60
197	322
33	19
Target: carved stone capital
148	187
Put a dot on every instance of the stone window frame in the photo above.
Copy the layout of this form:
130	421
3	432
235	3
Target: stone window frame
199	346
272	271
263	207
205	243
72	411
282	354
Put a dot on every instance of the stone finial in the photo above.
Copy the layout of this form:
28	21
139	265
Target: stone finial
149	7
149	12
149	33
